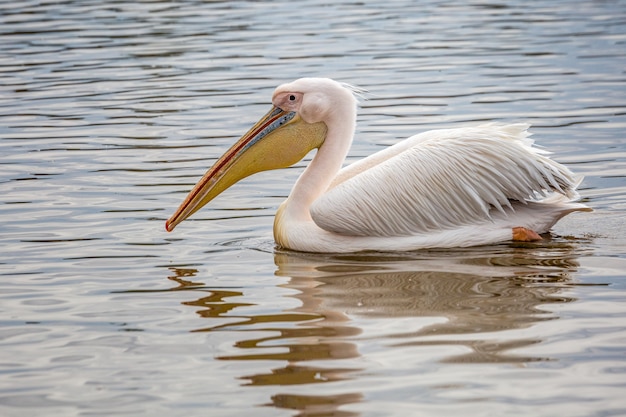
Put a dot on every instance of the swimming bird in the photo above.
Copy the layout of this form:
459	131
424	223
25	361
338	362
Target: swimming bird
438	189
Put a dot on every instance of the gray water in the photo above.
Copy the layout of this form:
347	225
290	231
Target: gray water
110	112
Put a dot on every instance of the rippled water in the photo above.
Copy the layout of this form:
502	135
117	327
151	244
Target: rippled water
109	113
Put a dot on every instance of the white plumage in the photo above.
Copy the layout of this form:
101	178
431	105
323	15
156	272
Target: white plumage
442	179
441	188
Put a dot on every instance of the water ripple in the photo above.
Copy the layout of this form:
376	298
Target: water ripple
109	113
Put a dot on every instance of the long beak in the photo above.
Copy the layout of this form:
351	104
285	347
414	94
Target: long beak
278	140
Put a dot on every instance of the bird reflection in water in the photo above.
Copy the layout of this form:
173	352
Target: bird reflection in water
474	294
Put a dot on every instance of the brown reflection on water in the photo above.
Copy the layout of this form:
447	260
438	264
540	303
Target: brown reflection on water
317	405
476	291
479	293
295	337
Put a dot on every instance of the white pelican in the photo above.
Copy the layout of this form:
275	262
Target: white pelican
441	188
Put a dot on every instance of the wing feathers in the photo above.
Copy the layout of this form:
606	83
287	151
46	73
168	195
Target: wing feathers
447	178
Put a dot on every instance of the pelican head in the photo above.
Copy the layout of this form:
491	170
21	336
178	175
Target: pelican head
293	127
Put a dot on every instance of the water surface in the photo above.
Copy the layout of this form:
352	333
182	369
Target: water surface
109	113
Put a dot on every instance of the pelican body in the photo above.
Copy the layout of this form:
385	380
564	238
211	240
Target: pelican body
438	189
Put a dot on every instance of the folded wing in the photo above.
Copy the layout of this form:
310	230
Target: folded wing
440	180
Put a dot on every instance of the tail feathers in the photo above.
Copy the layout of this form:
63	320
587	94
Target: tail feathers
540	215
553	208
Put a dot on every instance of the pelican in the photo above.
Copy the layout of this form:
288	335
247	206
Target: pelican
438	189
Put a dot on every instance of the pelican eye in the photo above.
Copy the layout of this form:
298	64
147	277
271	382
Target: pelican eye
292	98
